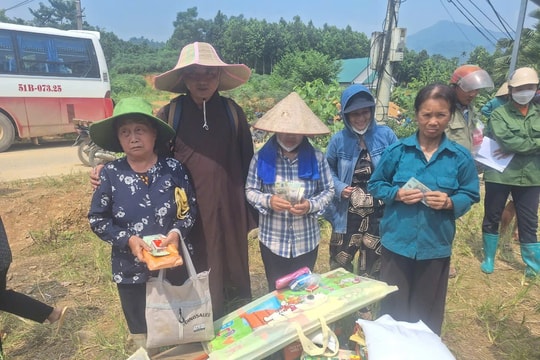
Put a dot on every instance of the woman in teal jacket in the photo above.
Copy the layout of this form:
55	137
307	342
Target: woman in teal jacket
352	154
418	226
516	128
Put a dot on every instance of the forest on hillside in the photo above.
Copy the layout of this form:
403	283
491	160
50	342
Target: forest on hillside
282	55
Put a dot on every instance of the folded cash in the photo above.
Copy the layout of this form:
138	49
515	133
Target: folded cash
413	183
292	191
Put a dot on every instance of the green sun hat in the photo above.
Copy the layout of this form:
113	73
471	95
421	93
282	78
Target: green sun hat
103	132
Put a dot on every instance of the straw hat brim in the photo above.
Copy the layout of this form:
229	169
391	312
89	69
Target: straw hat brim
231	76
292	116
203	54
104	134
503	90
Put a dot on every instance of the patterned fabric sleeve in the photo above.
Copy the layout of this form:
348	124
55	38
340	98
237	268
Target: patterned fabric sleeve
101	216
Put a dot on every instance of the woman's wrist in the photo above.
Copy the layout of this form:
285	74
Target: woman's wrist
177	232
447	203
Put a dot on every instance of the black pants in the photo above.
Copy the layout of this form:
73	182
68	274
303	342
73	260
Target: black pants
276	266
525	201
422	289
21	305
133	300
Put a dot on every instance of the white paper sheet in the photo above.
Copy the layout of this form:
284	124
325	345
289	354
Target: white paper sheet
486	155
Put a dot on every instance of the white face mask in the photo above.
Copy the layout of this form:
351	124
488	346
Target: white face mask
360	132
287	148
523	97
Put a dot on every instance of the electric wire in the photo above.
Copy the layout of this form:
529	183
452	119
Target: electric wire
455	23
503	22
22	3
469	20
489	19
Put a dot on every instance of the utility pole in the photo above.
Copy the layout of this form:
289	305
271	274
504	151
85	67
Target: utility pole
517	40
79	14
384	85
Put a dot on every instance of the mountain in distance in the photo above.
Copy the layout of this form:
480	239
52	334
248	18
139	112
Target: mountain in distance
451	40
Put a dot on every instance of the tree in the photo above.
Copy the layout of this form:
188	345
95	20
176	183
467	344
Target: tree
305	66
481	57
188	28
234	49
60	14
409	69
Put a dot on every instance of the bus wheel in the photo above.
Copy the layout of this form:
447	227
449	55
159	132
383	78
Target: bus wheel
7	133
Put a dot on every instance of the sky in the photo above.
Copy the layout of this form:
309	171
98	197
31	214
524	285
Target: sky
153	19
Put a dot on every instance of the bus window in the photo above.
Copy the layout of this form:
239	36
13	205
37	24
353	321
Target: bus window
7	54
57	56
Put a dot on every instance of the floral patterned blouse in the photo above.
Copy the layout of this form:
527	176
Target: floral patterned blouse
125	204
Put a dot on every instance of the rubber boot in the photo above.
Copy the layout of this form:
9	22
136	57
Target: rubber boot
490	248
530	253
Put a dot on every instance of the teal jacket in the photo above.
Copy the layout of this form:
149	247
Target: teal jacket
519	135
417	231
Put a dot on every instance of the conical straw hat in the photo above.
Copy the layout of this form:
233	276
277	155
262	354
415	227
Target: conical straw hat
503	90
292	116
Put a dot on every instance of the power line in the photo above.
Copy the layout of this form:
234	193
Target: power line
503	22
485	32
489	19
455	23
22	3
470	21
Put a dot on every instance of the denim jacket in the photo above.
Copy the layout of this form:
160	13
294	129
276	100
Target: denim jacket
342	155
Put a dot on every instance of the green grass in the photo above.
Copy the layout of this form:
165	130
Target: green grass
493	316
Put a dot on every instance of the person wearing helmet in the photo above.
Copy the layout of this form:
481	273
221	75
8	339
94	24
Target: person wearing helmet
467	80
515	127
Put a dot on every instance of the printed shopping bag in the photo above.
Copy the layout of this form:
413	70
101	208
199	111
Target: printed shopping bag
179	314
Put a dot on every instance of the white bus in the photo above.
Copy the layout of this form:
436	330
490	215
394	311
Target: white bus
48	77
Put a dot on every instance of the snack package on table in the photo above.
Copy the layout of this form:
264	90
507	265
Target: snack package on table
269	323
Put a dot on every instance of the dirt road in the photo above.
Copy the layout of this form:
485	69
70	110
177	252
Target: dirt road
51	158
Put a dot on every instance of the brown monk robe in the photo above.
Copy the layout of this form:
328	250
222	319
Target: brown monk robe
216	148
218	161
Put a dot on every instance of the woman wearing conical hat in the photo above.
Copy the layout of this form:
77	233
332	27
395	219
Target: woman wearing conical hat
290	184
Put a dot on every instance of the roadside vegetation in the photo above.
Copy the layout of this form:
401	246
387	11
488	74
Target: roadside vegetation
57	259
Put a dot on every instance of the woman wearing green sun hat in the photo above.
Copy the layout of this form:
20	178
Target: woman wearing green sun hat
136	198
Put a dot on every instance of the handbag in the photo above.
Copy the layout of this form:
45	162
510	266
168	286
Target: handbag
179	314
325	343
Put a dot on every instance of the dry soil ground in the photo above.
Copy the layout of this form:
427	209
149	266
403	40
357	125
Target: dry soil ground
55	260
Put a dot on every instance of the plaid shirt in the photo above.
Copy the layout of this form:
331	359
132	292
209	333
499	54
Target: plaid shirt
285	234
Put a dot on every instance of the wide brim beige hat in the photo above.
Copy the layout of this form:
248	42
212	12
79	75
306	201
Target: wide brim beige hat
200	53
292	116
